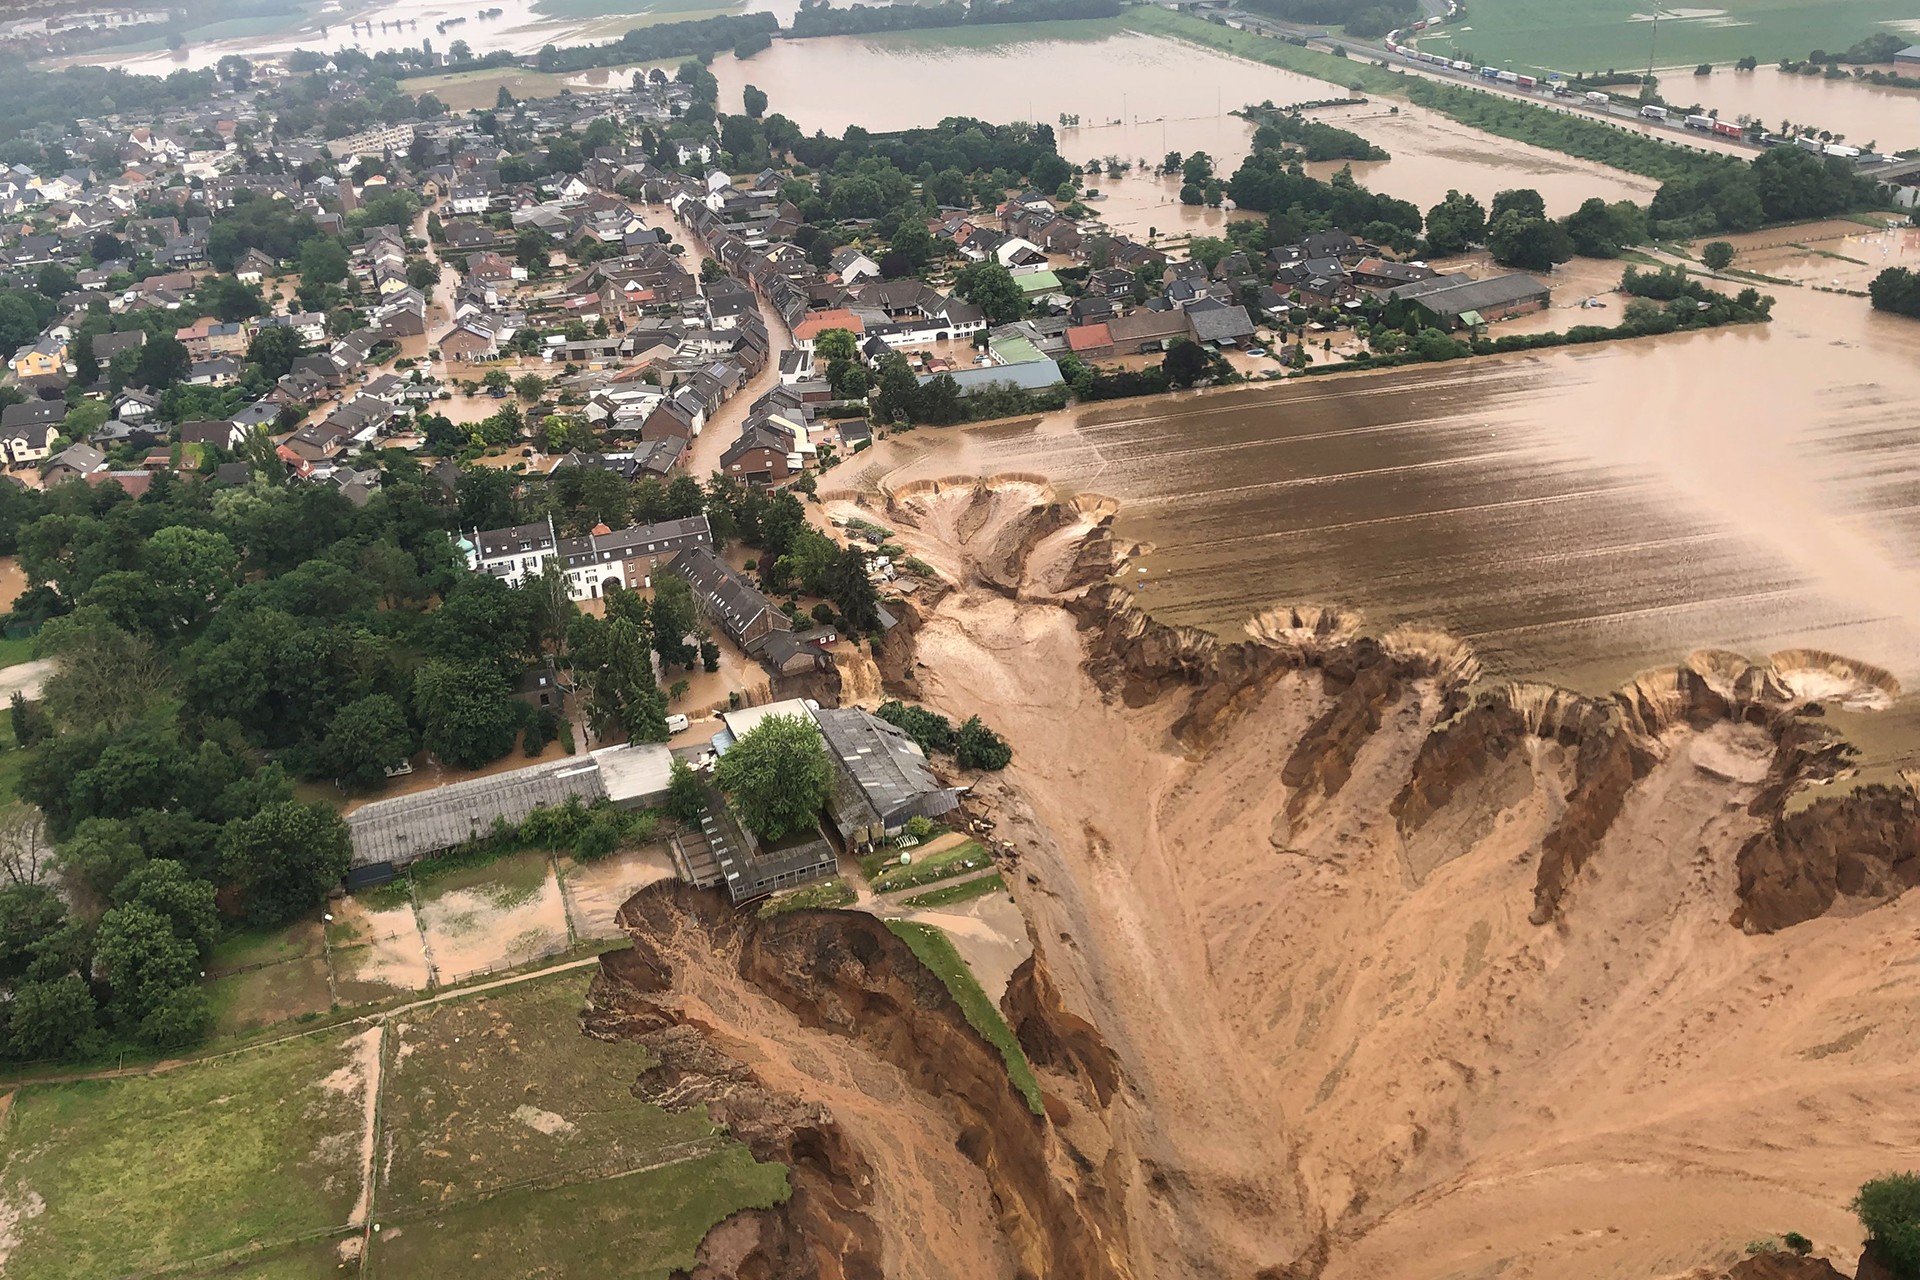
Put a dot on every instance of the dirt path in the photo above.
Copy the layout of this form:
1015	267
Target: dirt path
25	678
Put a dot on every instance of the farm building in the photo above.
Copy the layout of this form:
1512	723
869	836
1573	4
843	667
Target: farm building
1453	301
1908	57
394	832
722	852
880	779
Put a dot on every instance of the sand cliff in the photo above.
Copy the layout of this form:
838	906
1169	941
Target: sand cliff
1348	962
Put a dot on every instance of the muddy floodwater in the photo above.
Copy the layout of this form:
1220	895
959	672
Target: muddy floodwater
1578	515
1139	97
1861	112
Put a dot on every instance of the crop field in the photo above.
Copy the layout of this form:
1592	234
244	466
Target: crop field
1594	35
500	1132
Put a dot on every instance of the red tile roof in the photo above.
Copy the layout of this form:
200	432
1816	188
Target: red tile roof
1089	337
819	321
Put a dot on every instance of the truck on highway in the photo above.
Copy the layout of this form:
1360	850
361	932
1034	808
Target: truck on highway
1489	73
1506	77
1845	153
1461	66
1654	113
1597	98
1703	123
1726	130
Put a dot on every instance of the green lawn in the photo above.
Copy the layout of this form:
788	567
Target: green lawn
640	1227
957	861
1341	73
815	897
503	1087
674	10
505	1133
138	1173
14	651
1594	35
965	891
936	951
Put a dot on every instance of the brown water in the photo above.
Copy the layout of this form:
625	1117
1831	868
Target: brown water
1862	112
1139	97
1578	515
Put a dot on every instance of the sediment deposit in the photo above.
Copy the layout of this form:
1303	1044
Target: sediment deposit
1348	962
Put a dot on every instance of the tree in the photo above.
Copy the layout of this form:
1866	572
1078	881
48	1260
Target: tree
101	853
852	592
465	713
1522	200
364	739
754	101
1456	223
530	386
977	747
835	344
142	961
47	1019
1528	243
275	350
1889	1208
1600	230
285	858
532	249
673	620
1186	362
163	362
54	280
992	288
777	776
169	888
685	798
192	569
1197	169
1717	254
323	262
1896	290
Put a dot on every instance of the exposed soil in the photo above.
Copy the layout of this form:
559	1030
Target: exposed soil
822	1042
1402	975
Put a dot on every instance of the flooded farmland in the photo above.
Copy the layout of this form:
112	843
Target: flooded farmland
1578	515
1860	111
1139	97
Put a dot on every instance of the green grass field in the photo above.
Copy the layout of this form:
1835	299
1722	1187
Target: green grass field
14	651
965	891
503	1087
1593	35
957	861
642	1226
824	896
504	1133
936	951
134	1174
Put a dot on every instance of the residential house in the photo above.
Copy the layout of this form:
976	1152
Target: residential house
81	460
729	600
40	359
601	560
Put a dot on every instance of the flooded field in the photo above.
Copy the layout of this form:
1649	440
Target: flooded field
1579	515
1140	97
1861	112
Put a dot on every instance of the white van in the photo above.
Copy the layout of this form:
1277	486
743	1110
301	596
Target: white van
677	723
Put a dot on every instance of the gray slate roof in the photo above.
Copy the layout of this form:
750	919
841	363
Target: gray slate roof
1450	295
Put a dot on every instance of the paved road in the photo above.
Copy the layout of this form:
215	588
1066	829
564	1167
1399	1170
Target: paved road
25	678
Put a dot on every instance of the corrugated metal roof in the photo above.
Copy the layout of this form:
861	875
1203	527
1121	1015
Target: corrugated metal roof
405	828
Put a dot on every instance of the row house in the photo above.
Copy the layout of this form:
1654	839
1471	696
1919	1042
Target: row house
602	559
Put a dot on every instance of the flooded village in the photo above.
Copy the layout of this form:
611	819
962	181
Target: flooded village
1078	640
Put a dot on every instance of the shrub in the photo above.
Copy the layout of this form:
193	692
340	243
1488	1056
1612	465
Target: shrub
919	826
1889	1208
978	747
598	839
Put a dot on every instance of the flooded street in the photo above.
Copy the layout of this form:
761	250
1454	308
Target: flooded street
1578	515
